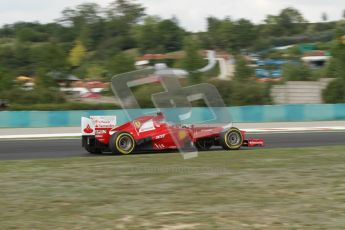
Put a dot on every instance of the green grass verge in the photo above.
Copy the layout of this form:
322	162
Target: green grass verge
299	188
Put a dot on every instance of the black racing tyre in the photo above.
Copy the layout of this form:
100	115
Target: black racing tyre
204	144
232	139
91	148
121	143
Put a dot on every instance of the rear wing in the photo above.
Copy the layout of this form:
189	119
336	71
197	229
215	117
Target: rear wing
89	125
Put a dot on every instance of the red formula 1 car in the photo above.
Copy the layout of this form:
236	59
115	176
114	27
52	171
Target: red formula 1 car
100	134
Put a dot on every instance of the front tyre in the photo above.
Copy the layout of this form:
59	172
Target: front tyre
232	139
121	143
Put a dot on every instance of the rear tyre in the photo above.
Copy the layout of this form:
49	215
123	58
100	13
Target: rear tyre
89	145
92	149
232	139
121	143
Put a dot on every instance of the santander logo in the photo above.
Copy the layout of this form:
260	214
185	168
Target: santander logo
88	129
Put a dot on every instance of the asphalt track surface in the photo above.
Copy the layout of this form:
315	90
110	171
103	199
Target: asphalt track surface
59	148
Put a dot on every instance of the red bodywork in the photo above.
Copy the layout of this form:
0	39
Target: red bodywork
154	133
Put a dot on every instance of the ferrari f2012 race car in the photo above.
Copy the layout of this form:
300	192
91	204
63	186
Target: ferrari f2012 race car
101	134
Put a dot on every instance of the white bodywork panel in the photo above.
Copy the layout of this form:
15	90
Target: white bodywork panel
88	124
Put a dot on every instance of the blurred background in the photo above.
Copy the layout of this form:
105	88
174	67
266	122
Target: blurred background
67	63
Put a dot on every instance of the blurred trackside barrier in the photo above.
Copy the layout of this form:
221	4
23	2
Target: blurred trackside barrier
266	113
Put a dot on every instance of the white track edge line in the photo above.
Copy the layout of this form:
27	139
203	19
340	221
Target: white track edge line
249	130
40	135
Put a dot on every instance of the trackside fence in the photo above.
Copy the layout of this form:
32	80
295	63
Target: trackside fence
265	113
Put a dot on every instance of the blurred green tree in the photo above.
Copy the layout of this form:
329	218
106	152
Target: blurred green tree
192	60
297	72
242	35
6	79
120	63
81	20
51	56
335	91
147	35
158	36
170	35
121	17
242	71
289	22
77	53
96	72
